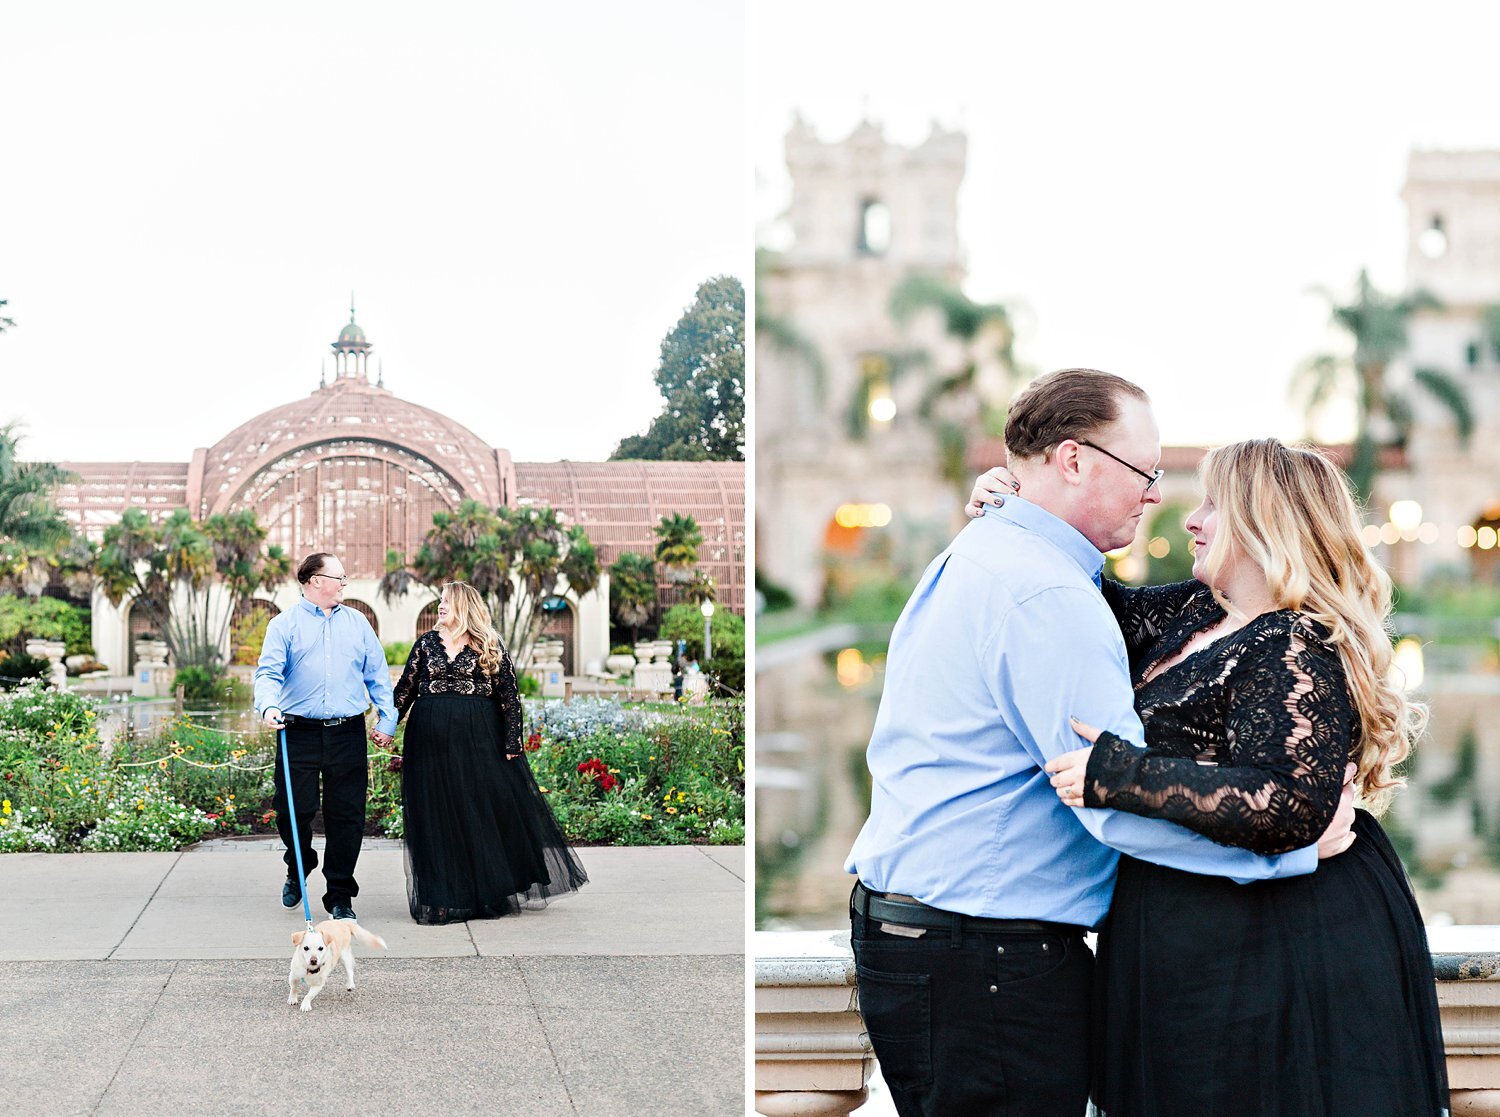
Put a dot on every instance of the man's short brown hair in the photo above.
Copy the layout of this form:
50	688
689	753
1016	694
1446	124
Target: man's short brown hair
1068	403
312	564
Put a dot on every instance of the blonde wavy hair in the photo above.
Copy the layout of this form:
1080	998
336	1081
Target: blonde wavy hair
469	617
1288	510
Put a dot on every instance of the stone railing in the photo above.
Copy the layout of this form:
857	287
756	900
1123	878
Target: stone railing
813	1059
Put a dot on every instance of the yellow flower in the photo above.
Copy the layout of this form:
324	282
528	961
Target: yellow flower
543	790
671	810
5	807
650	758
646	817
162	764
681	795
140	806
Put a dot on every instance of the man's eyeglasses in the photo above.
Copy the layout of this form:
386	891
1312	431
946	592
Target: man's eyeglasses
342	579
1151	478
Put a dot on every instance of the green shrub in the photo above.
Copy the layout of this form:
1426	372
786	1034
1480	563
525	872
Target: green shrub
17	667
396	653
685	622
529	685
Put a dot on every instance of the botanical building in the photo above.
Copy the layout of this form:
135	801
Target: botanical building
358	471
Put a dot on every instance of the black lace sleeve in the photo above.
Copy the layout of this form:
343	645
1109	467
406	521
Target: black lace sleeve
507	697
1143	612
1287	726
411	677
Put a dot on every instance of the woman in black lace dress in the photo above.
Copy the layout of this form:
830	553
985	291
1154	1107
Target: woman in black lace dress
1257	683
480	838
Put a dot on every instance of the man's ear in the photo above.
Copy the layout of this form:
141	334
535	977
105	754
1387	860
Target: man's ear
1065	461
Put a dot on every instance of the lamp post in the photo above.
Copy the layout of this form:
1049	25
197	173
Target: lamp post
708	621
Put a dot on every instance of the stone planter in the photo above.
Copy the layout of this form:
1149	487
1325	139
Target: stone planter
620	664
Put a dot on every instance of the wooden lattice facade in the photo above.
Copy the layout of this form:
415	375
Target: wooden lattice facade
355	470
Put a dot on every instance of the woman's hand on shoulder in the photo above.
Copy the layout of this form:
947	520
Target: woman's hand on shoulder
991	488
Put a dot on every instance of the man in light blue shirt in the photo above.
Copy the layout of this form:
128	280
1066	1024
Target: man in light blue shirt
976	883
320	667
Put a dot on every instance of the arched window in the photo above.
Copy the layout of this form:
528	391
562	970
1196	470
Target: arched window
360	607
426	619
144	625
559	626
874	228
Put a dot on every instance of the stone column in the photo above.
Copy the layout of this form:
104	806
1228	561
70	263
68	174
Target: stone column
812	1056
1466	960
52	651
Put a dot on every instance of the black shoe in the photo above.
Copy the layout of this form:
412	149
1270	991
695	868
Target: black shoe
291	893
341	911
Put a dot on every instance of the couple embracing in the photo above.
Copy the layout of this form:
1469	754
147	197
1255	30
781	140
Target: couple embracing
480	839
1260	953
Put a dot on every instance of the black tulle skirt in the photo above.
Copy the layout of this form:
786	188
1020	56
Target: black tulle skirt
480	839
1306	997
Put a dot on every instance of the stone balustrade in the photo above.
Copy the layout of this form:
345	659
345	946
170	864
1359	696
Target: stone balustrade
813	1059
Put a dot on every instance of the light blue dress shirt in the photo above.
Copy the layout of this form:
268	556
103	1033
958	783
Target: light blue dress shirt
318	665
1005	636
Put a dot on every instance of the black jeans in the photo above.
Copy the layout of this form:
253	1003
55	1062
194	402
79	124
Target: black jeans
991	1024
337	754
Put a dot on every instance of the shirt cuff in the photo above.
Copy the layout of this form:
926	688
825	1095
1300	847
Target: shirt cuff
1298	862
385	725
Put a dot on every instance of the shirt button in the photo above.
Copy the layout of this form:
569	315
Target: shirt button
1046	946
999	950
994	988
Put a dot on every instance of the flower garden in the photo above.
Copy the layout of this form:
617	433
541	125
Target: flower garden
657	774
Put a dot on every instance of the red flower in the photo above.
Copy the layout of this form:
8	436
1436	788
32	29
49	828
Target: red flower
395	764
607	782
533	742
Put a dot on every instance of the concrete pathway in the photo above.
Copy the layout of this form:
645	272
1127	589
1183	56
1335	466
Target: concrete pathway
135	983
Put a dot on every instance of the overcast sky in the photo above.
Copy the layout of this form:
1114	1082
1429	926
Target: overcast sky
1159	185
523	198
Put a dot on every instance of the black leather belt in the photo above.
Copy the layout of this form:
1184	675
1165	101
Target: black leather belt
326	723
886	908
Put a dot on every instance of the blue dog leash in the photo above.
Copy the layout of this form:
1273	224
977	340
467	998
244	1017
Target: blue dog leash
291	810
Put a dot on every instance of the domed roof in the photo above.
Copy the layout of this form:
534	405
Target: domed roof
355	417
352	338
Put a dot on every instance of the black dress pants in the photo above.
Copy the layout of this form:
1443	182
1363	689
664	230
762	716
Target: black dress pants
337	755
989	1024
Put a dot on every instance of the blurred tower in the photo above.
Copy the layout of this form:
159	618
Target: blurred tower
841	444
1453	252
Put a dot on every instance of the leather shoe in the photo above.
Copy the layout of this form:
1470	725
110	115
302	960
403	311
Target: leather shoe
291	893
341	911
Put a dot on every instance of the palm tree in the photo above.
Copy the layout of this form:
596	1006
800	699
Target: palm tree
678	539
986	334
779	332
1377	324
27	516
632	591
6	323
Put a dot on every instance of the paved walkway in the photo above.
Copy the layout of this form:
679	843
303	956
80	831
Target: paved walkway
136	983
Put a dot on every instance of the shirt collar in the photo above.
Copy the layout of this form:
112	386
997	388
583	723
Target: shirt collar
311	608
1061	534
